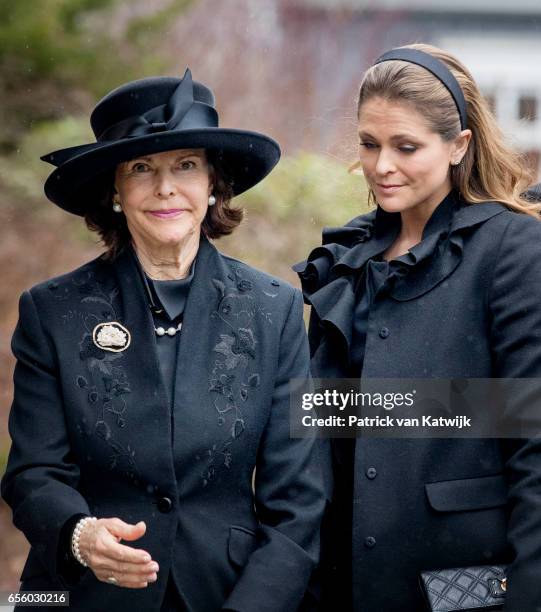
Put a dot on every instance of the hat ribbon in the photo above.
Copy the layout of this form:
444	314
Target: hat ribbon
180	112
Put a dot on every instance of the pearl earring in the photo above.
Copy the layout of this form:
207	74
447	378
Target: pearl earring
212	200
117	206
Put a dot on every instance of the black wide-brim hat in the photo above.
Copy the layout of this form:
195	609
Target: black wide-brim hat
148	116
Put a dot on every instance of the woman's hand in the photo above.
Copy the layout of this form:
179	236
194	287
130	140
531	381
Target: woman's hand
99	546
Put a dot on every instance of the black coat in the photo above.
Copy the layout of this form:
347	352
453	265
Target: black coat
93	433
468	306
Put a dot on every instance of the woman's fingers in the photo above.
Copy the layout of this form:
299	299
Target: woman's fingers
125	531
101	539
109	548
130	567
133	570
122	581
126	578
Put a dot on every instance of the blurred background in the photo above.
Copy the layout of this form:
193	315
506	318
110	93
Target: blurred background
289	68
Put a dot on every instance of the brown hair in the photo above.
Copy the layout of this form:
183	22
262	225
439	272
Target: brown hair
490	169
220	220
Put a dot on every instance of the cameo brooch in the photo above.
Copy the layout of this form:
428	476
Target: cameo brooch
111	336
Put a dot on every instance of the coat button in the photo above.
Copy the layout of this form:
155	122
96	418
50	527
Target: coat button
165	505
371	473
384	332
370	542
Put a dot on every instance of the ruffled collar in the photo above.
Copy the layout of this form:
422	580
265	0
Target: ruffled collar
327	276
369	235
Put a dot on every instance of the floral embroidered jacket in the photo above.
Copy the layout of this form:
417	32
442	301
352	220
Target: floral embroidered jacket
93	433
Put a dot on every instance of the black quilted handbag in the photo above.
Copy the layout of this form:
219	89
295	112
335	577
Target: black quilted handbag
465	588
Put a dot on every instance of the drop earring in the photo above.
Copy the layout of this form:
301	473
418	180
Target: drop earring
212	200
117	206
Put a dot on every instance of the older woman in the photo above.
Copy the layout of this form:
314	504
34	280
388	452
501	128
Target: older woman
153	381
442	280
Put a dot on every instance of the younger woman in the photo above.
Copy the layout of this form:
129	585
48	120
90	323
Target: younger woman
442	280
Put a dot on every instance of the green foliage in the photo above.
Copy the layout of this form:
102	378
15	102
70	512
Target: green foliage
23	173
50	63
42	38
286	212
309	187
58	57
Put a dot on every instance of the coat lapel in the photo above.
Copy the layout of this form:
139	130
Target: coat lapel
196	339
214	378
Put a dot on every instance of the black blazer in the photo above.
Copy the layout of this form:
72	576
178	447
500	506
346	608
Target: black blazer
93	433
469	305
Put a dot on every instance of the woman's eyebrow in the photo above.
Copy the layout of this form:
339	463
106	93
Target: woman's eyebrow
184	154
188	153
404	136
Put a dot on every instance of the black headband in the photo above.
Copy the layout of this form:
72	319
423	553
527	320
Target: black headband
437	68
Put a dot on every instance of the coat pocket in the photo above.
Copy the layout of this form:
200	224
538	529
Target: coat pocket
242	543
467	493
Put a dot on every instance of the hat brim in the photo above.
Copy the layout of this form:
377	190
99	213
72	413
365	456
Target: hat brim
247	157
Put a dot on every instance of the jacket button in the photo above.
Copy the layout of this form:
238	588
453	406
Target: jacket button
165	505
370	542
384	332
371	473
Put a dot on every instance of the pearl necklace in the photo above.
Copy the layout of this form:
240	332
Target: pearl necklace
171	331
160	331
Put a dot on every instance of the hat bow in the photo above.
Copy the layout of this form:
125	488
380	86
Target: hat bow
180	112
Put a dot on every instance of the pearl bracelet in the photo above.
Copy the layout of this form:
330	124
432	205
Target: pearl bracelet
75	538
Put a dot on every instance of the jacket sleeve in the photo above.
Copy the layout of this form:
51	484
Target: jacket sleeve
40	482
515	303
67	566
288	492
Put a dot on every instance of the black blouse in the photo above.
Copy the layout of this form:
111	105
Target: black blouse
170	296
374	280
